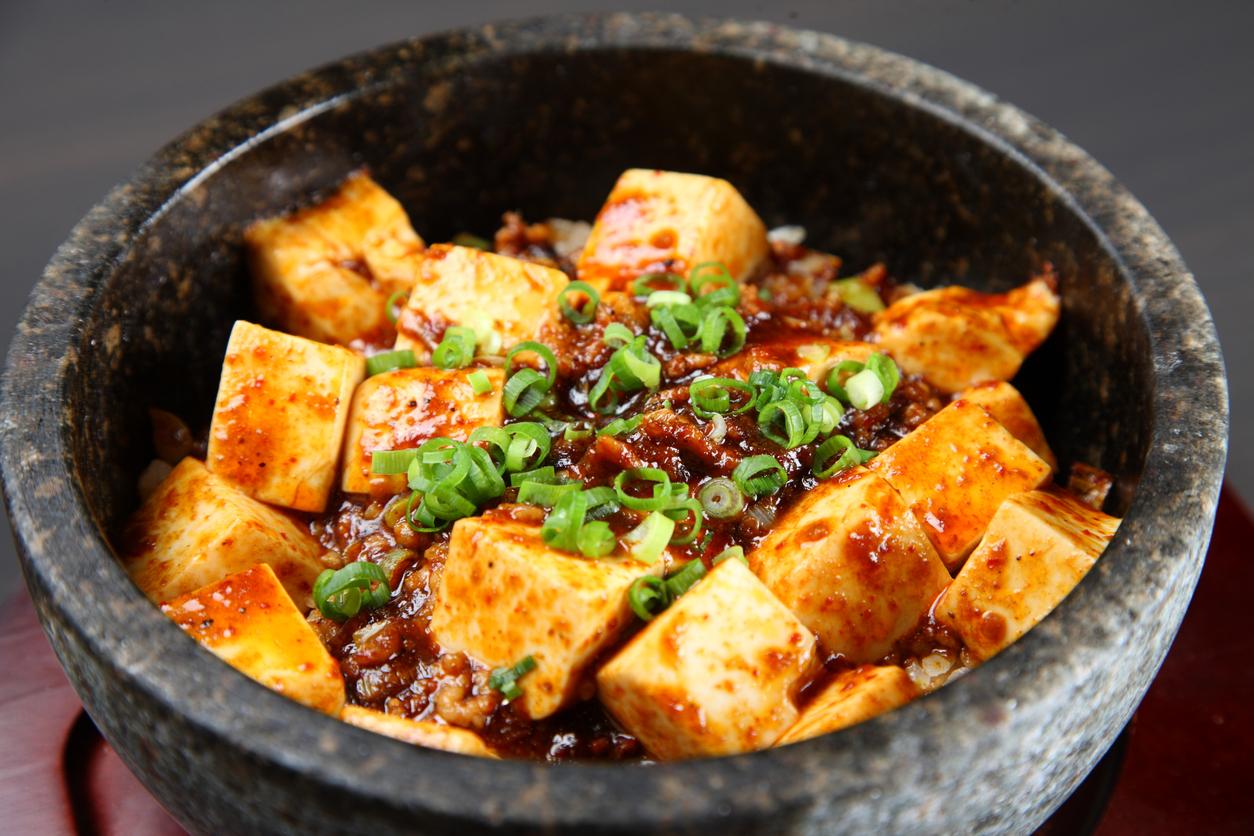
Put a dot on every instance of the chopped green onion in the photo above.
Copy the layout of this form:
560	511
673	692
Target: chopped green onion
661	497
546	474
858	295
547	494
465	239
680	323
523	391
730	553
603	397
586	312
678	512
832	412
387	361
505	680
456	349
865	389
836	454
602	501
711	395
622	426
886	370
685	578
659	298
340	594
648	597
479	382
595	539
561	527
649	539
617	335
633	367
794	425
540	350
391	462
529	444
838	375
713	285
759	475
646	284
714	331
396	302
720	498
577	431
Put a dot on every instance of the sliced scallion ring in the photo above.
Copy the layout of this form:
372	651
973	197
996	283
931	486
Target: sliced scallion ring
713	395
662	298
793	431
712	285
340	594
584	313
730	553
617	335
865	389
456	348
760	475
716	325
391	462
652	282
661	492
561	527
685	578
648	597
595	539
836	454
395	304
479	382
387	361
649	539
721	498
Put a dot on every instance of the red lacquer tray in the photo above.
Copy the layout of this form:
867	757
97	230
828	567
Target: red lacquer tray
1185	764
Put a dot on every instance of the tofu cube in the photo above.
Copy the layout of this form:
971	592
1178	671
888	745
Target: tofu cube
954	471
505	595
401	409
956	337
1004	403
196	529
505	300
1039	545
278	423
715	674
851	561
418	732
248	621
852	697
670	222
326	272
814	355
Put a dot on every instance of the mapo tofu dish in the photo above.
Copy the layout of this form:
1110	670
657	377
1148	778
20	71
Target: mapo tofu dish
666	485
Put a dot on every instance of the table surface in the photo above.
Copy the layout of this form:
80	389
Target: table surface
1184	765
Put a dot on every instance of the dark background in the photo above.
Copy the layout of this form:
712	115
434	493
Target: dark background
1162	93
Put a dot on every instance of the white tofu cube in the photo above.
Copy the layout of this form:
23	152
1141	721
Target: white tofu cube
851	561
505	300
505	595
196	529
715	674
852	697
814	355
665	221
418	732
1004	403
278	423
399	410
954	471
248	621
326	272
956	337
1038	546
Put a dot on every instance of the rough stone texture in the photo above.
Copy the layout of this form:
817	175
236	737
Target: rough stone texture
879	156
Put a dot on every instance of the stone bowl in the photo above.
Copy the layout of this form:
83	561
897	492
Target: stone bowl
880	157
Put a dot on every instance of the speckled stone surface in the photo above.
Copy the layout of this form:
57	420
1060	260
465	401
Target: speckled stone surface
879	156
